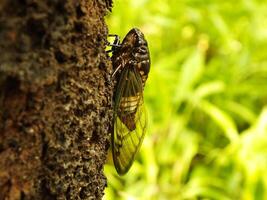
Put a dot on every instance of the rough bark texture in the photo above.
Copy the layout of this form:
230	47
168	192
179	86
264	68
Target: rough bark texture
55	99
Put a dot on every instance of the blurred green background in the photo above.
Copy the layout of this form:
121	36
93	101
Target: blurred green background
206	98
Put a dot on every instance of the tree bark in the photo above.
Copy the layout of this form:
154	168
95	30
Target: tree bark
55	99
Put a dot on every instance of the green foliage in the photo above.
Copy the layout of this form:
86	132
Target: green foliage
206	99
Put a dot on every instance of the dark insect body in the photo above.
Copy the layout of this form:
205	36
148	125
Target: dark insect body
131	63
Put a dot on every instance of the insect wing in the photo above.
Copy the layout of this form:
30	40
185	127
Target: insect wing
130	119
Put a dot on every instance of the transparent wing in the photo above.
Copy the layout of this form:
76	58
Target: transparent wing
130	119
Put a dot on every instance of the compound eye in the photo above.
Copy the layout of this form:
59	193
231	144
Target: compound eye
142	49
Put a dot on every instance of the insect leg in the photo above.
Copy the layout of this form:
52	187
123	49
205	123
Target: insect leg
116	70
116	43
116	40
114	46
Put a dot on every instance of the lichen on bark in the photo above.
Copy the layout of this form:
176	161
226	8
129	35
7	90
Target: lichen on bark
55	99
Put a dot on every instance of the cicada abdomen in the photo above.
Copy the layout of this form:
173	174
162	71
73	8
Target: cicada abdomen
131	62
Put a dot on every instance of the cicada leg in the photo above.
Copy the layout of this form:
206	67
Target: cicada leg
116	43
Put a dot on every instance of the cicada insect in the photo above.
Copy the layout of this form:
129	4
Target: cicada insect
131	63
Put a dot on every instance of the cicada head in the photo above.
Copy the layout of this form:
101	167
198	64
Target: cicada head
134	39
136	45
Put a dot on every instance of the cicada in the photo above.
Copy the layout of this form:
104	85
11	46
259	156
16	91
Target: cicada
131	63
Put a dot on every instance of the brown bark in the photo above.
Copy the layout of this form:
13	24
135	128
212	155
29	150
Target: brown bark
55	99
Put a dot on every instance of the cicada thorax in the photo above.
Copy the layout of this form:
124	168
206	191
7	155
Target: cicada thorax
133	58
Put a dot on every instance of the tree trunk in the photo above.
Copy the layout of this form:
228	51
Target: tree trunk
55	99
